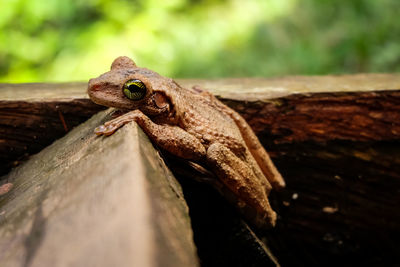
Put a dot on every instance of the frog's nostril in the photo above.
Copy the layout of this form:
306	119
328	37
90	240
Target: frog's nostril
94	86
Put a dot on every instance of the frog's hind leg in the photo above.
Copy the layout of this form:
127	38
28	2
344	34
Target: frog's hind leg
240	180
257	150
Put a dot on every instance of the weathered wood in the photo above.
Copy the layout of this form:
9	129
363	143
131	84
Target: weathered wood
335	139
94	201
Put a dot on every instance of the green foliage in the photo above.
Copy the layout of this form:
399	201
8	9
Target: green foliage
66	40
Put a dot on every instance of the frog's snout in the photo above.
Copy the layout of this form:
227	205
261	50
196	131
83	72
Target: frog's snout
93	85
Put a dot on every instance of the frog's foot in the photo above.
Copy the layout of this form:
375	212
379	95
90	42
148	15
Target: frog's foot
239	178
112	126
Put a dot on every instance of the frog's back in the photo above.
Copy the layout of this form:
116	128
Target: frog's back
202	118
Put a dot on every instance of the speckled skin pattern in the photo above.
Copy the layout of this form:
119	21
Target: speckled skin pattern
194	125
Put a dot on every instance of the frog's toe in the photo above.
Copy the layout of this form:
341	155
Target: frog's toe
108	123
99	130
110	129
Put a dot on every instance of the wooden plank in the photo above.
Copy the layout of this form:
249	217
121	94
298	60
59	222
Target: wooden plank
94	201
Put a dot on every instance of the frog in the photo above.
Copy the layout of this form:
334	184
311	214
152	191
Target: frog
193	125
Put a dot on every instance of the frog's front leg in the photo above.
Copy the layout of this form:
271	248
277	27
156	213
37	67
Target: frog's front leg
240	179
171	138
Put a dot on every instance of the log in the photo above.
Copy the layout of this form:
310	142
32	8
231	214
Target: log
95	201
335	139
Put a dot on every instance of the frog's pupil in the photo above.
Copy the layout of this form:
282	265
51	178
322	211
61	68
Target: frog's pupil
134	89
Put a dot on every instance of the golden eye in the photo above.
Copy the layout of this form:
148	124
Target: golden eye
134	89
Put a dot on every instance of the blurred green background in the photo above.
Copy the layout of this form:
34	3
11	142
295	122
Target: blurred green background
70	40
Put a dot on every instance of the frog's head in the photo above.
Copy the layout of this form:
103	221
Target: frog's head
128	87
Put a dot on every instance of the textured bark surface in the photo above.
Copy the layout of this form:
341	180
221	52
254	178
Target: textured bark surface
335	140
94	201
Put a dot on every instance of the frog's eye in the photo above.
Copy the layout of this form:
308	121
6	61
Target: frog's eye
134	89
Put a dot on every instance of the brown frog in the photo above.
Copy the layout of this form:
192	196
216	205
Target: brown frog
194	125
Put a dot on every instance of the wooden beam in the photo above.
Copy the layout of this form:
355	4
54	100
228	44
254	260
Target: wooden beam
95	201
